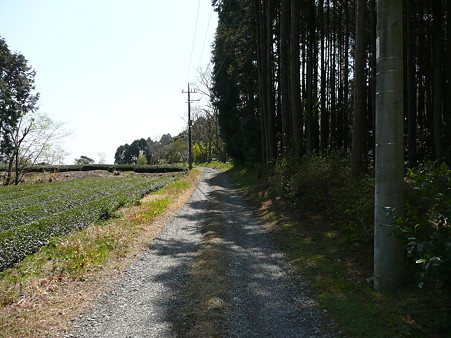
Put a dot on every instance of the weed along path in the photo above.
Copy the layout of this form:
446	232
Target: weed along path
212	272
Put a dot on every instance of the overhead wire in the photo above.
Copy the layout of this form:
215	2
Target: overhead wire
226	14
205	38
194	39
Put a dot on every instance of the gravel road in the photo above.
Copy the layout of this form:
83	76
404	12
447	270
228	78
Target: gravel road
267	299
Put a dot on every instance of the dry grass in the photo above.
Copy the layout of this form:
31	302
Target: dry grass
44	294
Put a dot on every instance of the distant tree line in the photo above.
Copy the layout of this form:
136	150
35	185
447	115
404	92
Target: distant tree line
206	142
146	151
155	152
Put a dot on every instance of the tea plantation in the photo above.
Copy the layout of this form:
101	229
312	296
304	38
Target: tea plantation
32	214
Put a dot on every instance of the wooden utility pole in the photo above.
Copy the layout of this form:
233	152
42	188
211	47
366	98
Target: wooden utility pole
190	148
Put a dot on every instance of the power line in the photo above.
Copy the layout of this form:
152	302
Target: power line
194	39
205	38
226	10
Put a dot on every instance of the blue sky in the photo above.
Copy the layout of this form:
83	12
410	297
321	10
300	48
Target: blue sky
111	70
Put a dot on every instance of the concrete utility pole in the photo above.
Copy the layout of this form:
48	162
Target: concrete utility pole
190	148
389	192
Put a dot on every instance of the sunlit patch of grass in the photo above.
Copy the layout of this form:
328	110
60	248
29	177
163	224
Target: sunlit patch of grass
149	209
331	235
42	294
217	165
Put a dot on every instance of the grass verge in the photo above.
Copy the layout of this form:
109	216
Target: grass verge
47	290
336	264
216	165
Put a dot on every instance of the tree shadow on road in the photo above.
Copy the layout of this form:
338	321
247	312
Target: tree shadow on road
264	296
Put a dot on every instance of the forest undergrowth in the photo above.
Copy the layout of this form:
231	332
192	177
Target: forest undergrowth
323	220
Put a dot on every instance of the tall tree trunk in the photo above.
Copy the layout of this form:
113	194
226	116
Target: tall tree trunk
437	89
389	191
359	125
324	114
310	70
17	168
271	121
261	66
428	80
9	174
345	131
421	80
285	74
447	110
410	87
333	93
316	127
295	93
340	99
372	78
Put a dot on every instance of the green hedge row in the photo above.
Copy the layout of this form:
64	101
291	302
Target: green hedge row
17	193
50	168
110	168
17	197
147	168
34	207
18	242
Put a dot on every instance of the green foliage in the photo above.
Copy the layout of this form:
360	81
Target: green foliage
128	154
107	212
17	95
84	160
110	168
154	151
322	247
217	165
425	227
24	230
235	81
47	199
159	169
308	181
353	207
322	183
177	152
199	156
142	160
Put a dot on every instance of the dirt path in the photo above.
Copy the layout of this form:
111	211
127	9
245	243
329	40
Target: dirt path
264	298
